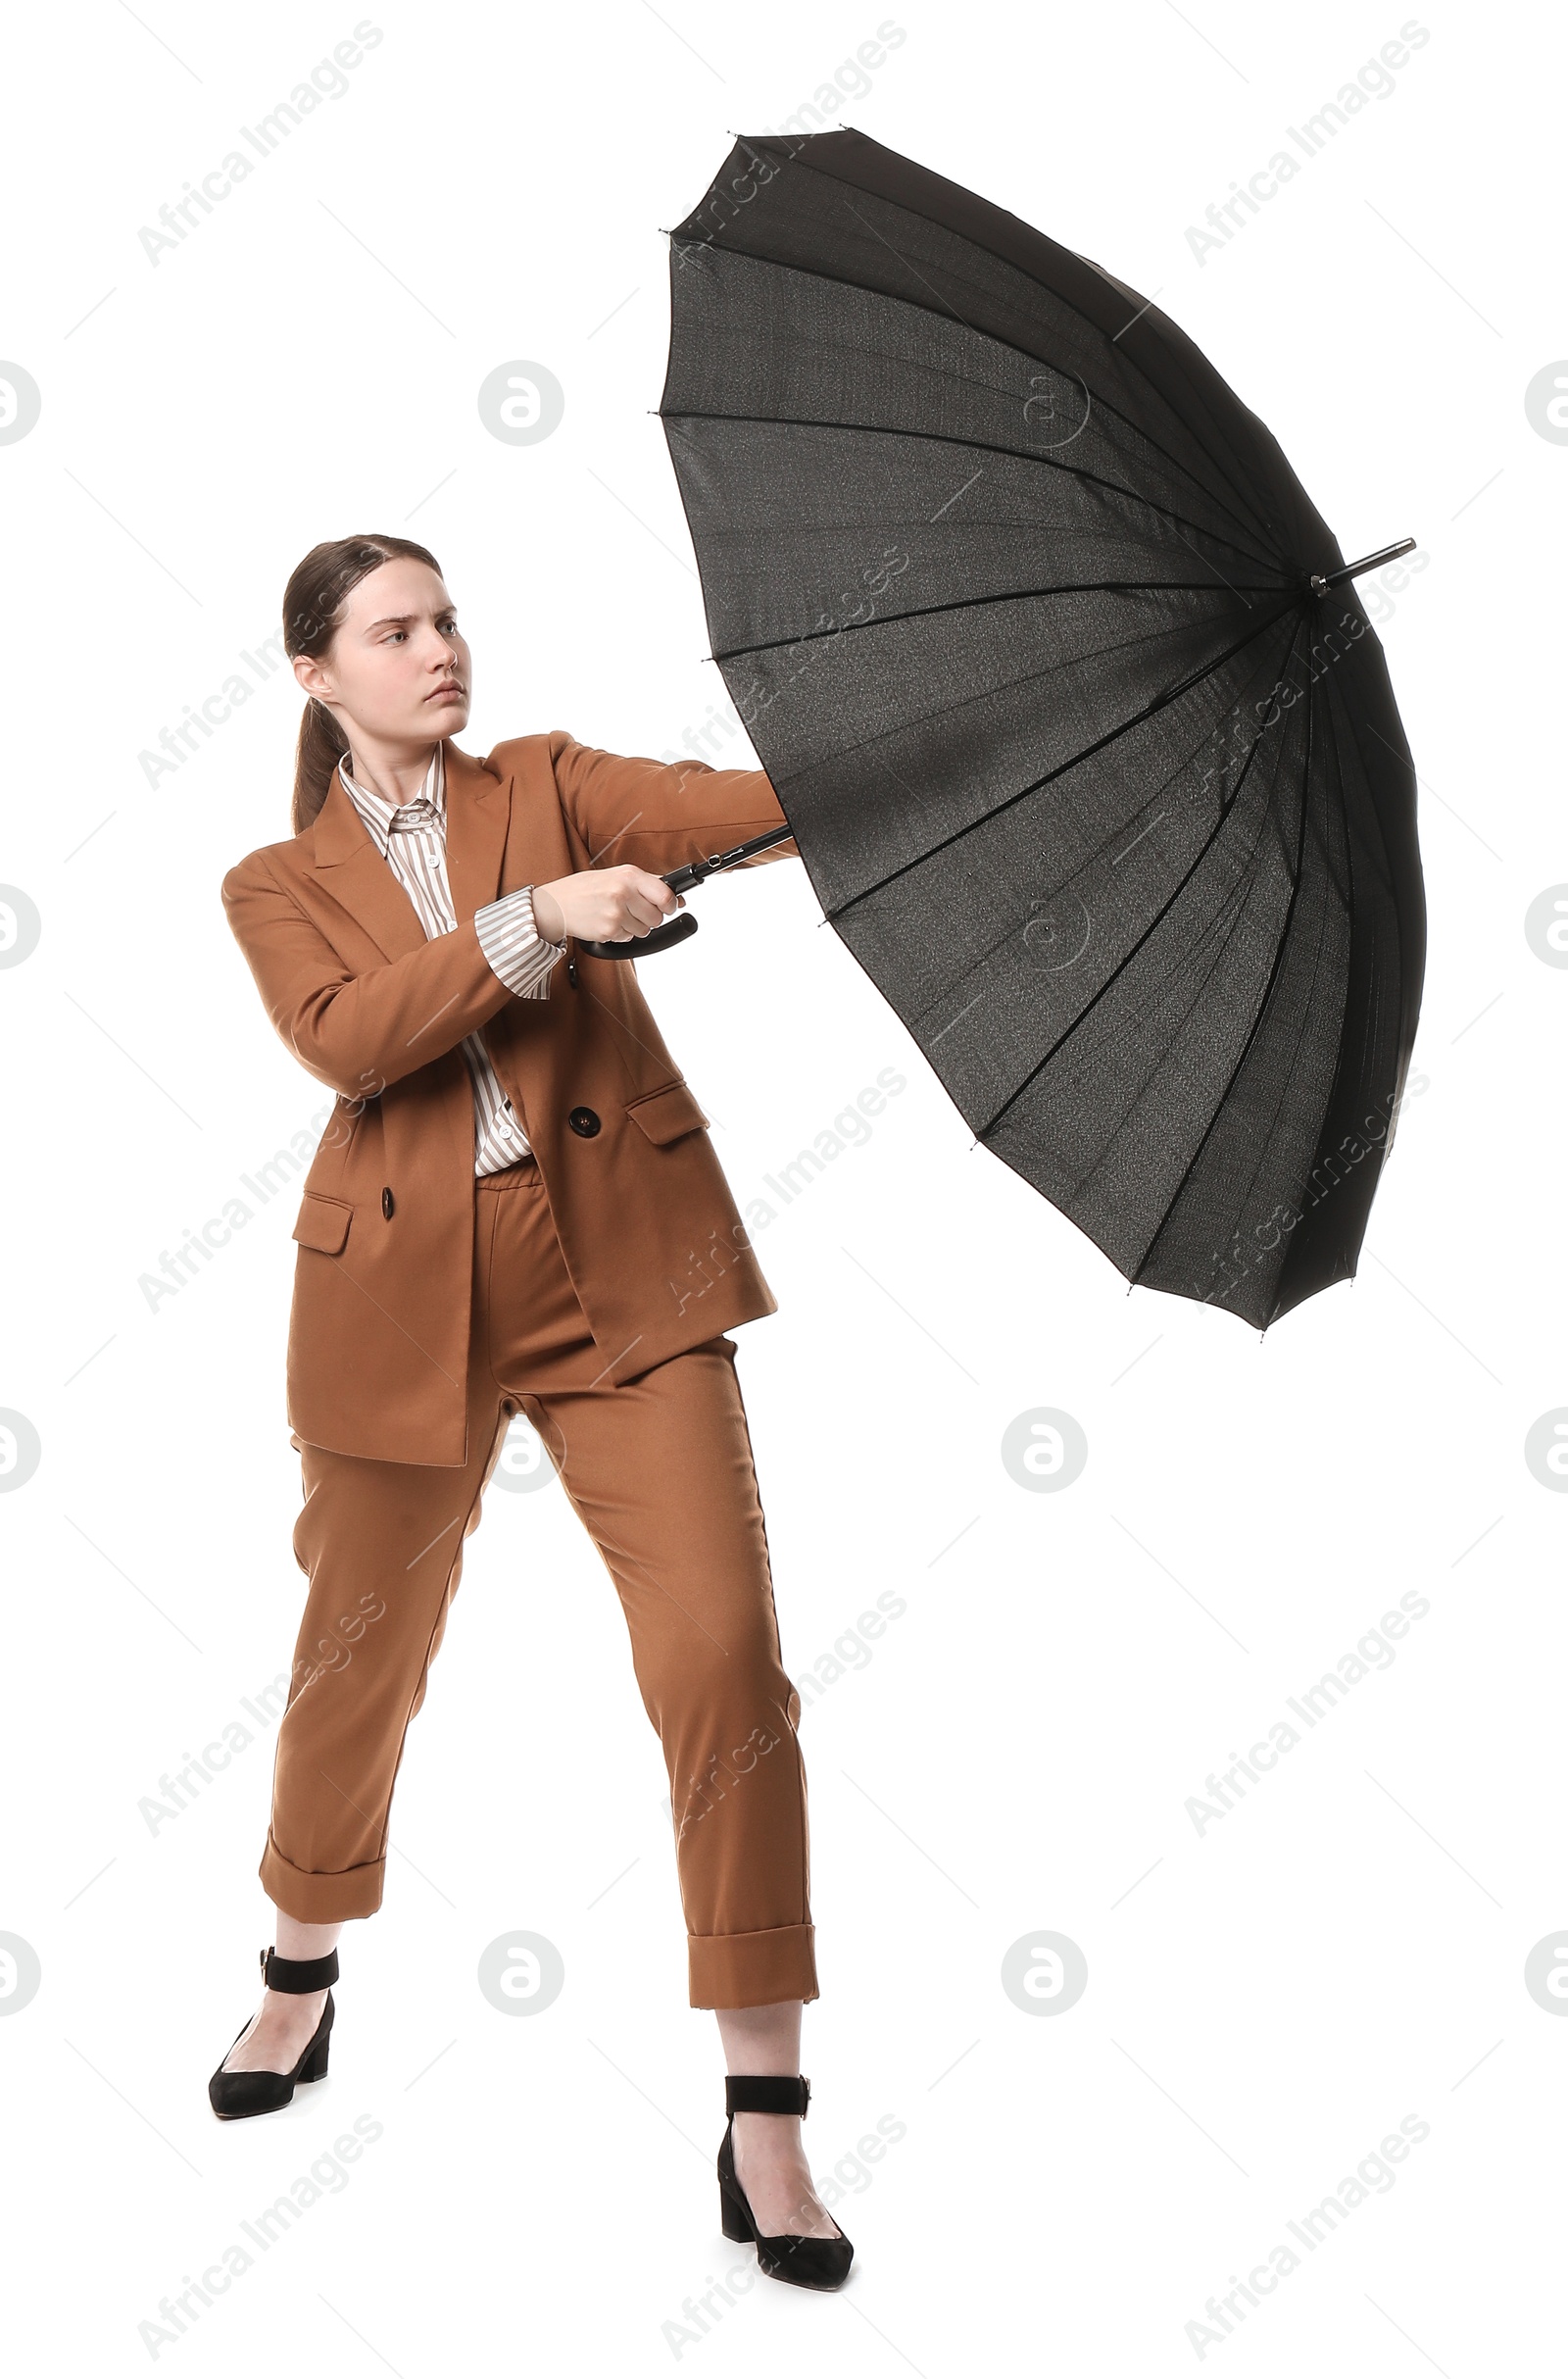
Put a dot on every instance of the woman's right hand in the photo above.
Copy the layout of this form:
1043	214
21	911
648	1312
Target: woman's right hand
603	905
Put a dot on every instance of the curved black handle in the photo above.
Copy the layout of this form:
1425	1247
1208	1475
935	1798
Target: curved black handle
663	937
684	879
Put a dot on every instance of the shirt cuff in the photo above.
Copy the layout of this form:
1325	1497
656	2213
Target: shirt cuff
515	949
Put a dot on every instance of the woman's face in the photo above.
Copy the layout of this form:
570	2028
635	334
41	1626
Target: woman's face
397	669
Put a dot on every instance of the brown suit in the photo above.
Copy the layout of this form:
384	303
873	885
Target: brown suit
588	1286
657	1251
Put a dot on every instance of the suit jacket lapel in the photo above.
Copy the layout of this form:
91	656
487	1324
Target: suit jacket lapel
357	875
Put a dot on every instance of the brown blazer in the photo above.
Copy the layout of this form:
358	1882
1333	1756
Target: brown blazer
378	1332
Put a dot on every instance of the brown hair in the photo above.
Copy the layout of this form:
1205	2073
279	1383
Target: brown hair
313	610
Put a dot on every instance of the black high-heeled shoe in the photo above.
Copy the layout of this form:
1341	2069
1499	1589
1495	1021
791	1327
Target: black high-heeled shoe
261	2091
807	2263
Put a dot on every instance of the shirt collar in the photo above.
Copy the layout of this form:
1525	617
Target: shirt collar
382	818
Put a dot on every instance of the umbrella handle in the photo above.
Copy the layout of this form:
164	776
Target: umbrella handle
663	937
682	880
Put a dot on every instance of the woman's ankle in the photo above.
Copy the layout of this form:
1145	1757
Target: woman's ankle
293	1939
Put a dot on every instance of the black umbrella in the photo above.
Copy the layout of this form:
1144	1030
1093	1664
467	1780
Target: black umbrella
1087	742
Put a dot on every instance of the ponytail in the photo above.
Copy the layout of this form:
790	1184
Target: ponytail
321	745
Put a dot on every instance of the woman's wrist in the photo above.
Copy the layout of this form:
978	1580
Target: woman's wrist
547	915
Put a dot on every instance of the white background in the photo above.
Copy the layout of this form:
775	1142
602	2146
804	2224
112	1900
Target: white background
1267	1998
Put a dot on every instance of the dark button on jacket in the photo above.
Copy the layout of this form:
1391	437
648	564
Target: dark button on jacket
583	1122
387	1204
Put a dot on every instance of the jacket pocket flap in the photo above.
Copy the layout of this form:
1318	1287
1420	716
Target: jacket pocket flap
664	1114
324	1222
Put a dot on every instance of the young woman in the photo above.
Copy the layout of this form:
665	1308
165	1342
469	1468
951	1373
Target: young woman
515	1207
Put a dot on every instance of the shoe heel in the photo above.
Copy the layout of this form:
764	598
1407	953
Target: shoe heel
314	2069
731	2219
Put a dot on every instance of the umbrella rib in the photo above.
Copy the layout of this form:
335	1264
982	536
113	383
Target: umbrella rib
1011	346
1055	295
1161	702
1333	700
1129	955
1257	1025
1386	871
1240	1060
1257	1021
1014	454
974	603
1037	675
979	956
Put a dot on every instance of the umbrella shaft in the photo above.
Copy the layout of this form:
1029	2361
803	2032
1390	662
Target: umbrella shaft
681	879
1356	569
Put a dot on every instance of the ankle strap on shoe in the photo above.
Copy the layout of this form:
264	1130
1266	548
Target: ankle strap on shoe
298	1975
767	2094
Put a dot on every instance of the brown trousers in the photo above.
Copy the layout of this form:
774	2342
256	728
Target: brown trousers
660	1472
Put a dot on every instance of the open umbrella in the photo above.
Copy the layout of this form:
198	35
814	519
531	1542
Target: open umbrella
1085	738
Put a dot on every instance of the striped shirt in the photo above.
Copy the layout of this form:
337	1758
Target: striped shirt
412	837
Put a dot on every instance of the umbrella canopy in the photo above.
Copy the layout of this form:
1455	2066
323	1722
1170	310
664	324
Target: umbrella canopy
1090	768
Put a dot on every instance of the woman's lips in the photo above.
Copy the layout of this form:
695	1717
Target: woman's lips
446	693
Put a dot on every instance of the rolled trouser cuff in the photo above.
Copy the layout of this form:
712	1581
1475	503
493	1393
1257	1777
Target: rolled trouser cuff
752	1969
321	1900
